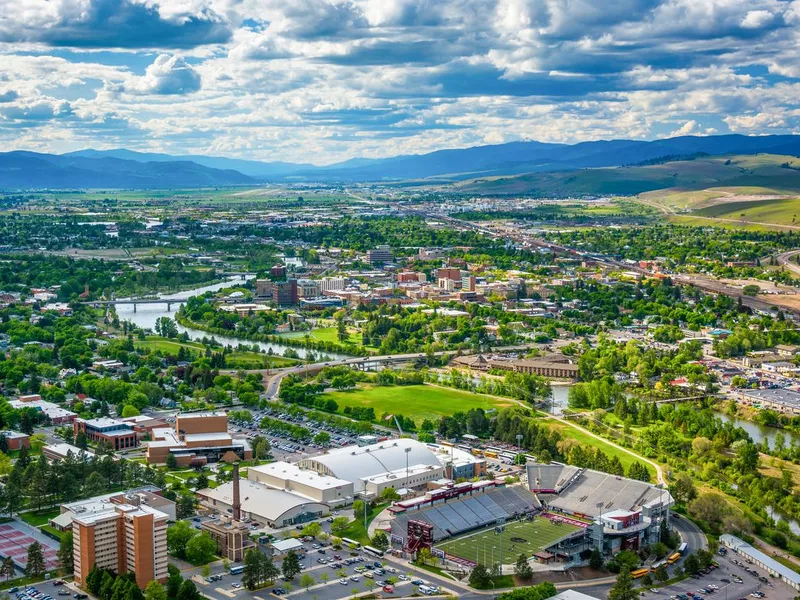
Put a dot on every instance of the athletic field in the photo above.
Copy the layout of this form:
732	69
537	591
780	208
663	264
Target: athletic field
519	537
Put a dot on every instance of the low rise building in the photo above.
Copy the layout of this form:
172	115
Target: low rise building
119	435
780	400
16	440
789	576
198	438
303	482
54	412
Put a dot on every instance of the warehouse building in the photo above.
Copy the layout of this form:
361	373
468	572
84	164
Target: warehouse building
769	564
303	482
276	508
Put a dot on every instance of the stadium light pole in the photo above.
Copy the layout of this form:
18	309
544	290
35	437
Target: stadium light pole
519	443
407	450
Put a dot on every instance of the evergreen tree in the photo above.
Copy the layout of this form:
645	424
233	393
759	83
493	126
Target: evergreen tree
7	568
36	565
291	565
65	558
522	568
479	577
623	588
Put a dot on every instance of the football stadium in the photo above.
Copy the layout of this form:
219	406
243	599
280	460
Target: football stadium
556	519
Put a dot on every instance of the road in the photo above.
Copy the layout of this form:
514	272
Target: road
784	260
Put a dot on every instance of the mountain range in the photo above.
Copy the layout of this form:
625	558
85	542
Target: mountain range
124	168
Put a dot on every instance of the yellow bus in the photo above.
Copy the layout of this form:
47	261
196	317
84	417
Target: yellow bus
673	558
639	573
490	454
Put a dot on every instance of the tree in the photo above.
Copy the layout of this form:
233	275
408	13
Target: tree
81	441
313	529
306	580
424	556
637	470
623	588
174	581
251	575
155	591
178	537
682	489
479	577
647	581
691	564
358	508
200	549
709	507
323	438
291	565
130	411
65	552
8	569
188	591
171	461
36	565
523	568
661	573
206	570
340	525
596	559
380	540
201	481
390	495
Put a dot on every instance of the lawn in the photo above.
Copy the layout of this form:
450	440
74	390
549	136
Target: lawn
155	342
576	434
416	401
256	360
519	537
38	519
356	530
326	334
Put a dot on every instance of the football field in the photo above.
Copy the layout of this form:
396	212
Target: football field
519	537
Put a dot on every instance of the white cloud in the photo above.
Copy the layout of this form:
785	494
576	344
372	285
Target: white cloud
168	75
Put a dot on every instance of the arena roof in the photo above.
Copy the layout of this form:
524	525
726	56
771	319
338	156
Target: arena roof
291	472
258	499
354	463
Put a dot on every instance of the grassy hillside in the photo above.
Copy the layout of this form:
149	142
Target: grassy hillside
784	211
761	170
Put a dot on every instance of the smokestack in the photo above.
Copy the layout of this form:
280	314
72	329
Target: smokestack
237	503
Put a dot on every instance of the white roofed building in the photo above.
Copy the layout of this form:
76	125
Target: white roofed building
303	482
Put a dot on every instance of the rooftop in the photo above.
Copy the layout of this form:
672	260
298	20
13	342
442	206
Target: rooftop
257	498
743	547
294	473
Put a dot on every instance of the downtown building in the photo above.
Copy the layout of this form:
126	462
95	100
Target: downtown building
120	537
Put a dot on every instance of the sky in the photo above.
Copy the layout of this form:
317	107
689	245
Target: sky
320	81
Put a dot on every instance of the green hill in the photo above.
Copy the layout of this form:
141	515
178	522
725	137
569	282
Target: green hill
763	170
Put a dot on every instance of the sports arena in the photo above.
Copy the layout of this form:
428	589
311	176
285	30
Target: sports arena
556	519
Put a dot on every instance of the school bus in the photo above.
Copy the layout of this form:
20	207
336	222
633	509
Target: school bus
490	454
639	573
673	558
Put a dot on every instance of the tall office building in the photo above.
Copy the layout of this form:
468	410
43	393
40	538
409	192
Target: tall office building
381	254
284	293
123	538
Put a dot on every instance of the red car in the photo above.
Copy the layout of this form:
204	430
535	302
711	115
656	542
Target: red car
388	589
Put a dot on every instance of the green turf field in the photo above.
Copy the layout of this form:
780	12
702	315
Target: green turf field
484	545
416	401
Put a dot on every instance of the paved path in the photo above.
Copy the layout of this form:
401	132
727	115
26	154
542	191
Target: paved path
659	470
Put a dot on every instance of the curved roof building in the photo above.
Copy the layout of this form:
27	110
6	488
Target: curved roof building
356	464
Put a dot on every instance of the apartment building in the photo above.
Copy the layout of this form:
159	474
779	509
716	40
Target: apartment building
123	538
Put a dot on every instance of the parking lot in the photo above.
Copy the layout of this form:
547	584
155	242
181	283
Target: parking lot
47	590
727	578
336	575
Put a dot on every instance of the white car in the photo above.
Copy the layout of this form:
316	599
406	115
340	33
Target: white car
354	578
403	577
343	581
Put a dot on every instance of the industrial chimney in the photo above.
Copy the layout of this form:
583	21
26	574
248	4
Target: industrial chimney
237	503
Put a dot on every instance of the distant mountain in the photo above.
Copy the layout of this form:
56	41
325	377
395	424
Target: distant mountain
127	168
251	168
761	170
31	170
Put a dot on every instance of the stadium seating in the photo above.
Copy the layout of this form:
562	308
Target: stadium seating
472	512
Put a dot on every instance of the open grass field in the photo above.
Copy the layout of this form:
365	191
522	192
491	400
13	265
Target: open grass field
166	345
587	440
419	402
325	334
484	545
783	211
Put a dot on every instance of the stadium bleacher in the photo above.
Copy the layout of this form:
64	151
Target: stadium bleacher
473	512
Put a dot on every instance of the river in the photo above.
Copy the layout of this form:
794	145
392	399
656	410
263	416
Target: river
760	433
147	314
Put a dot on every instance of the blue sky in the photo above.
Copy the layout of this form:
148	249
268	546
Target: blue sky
325	80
